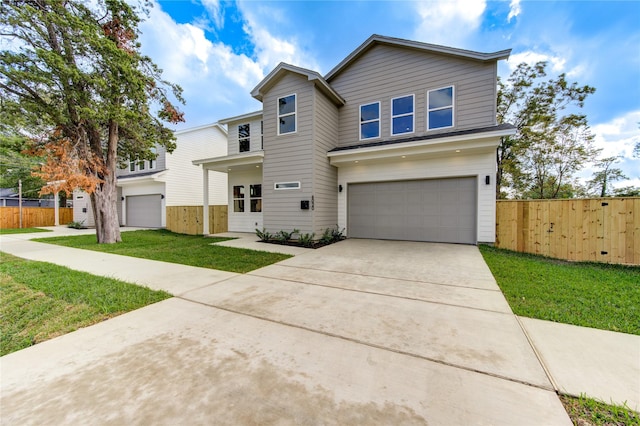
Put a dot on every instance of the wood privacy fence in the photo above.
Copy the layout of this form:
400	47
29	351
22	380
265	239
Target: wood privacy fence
33	216
188	219
598	229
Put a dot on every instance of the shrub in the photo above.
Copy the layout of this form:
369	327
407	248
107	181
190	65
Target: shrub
264	235
306	240
77	225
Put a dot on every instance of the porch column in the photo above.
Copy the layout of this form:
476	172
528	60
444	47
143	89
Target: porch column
205	201
56	208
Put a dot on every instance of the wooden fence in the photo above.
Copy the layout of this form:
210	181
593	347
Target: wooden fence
33	216
598	230
188	219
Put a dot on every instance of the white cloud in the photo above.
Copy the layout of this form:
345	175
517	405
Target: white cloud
215	12
514	9
557	64
448	22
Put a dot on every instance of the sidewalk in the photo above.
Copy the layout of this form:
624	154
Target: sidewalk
601	364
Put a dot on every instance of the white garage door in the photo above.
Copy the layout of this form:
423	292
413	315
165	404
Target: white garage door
438	210
144	211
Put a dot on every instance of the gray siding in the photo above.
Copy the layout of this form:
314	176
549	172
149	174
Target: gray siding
254	129
160	164
386	72
288	158
325	176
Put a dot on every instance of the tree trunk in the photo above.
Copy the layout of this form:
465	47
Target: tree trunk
103	200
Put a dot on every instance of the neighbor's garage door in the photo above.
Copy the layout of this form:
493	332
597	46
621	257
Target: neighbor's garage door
438	210
144	211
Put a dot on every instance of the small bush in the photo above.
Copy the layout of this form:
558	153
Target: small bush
77	225
264	235
284	236
306	240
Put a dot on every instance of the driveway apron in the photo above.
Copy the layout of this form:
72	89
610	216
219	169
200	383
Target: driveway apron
359	332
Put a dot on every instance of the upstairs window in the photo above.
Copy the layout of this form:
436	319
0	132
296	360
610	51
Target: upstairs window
238	198
244	137
261	135
287	114
132	166
370	121
440	108
152	163
402	115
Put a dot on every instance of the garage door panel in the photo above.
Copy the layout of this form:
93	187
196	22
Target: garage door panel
439	210
144	210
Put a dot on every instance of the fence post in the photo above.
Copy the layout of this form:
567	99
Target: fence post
20	200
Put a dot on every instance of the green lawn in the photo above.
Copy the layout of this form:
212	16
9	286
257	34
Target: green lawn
589	412
42	300
22	230
167	246
594	295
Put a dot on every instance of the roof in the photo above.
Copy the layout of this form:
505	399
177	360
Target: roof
241	117
313	76
206	126
376	39
500	128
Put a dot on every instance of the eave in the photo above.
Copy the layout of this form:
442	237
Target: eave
236	162
416	148
145	178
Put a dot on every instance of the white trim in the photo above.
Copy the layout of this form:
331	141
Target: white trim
287	186
294	113
360	122
243	117
413	115
453	108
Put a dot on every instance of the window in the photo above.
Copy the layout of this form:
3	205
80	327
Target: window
141	165
440	108
287	114
132	166
286	185
370	121
261	135
244	137
255	193
402	115
152	162
238	198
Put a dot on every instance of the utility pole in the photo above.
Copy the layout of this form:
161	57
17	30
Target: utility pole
20	200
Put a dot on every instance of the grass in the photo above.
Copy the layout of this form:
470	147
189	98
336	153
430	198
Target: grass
22	230
586	411
42	300
594	295
167	246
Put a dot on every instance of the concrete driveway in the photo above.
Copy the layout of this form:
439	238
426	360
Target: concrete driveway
360	332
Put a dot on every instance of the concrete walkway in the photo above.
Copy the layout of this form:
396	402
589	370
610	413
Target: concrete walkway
360	332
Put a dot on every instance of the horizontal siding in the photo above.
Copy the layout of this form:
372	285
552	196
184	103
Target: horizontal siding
184	180
325	179
288	158
479	165
160	164
255	142
385	72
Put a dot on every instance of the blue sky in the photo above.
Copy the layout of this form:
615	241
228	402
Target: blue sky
218	51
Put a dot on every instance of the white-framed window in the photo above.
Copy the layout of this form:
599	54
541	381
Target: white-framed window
244	137
152	162
286	185
370	121
255	197
238	198
402	117
132	166
287	120
440	108
261	134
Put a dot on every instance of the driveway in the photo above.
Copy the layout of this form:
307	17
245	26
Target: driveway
359	332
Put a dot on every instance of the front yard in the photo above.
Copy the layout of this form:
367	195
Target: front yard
594	295
166	246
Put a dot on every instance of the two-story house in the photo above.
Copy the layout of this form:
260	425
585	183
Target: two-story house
147	187
398	141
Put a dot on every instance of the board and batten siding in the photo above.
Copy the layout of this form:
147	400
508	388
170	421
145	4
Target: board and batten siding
255	142
472	165
325	176
385	72
183	179
288	158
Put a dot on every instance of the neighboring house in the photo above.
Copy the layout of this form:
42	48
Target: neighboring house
147	187
398	141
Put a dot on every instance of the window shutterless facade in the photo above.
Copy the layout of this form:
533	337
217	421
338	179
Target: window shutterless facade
238	198
402	115
255	195
244	137
370	121
287	121
286	185
440	108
